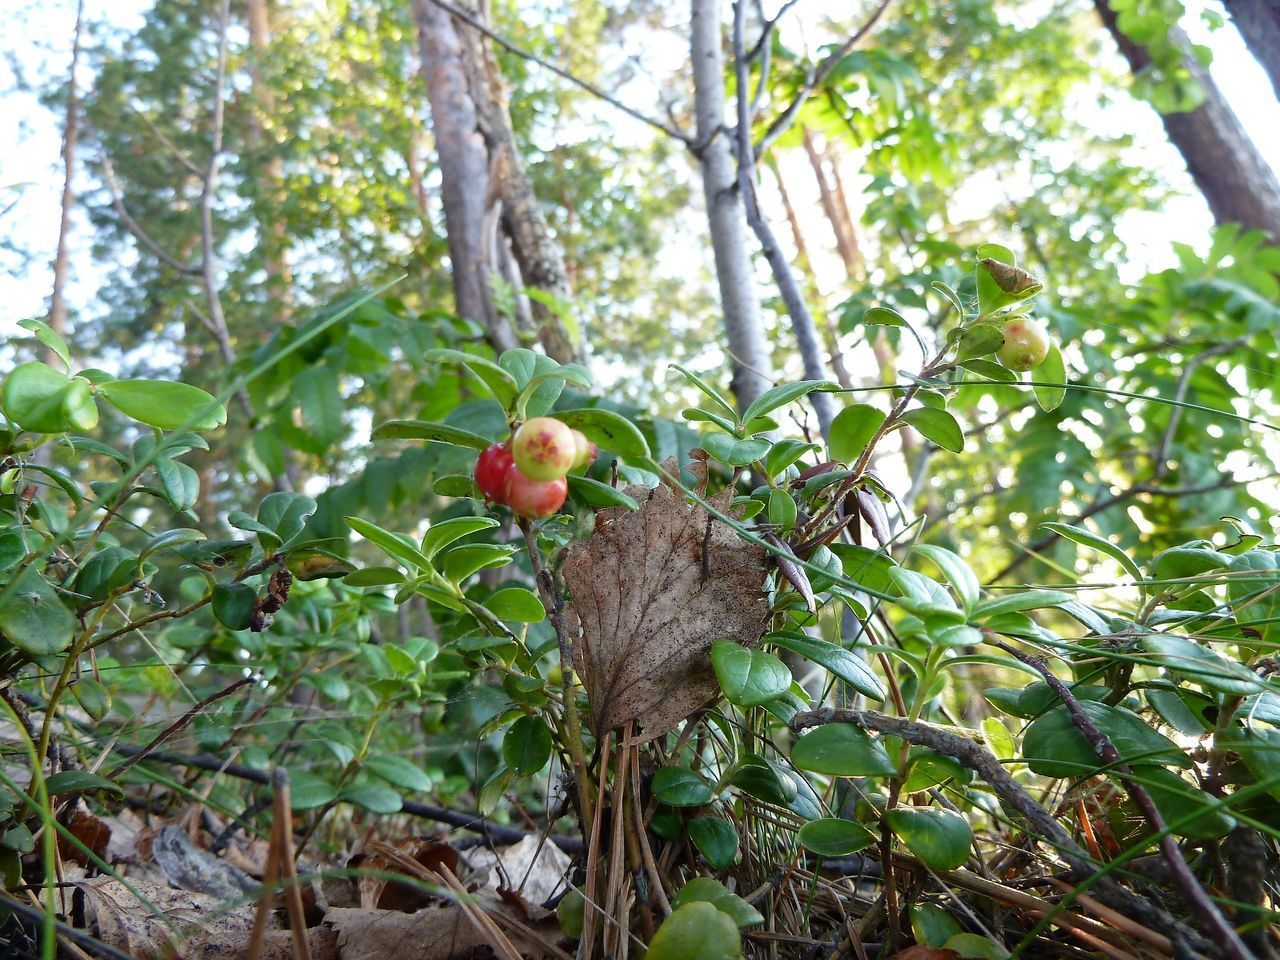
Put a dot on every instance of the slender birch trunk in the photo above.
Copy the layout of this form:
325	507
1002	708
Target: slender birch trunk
742	324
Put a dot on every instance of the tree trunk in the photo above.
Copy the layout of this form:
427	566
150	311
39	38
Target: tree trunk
271	224
1236	181
805	263
1259	23
743	329
57	300
464	170
846	245
536	251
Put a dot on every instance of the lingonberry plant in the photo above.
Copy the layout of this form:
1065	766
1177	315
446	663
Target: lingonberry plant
751	674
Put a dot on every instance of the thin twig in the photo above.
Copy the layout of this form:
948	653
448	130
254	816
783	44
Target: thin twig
532	57
117	201
1184	881
985	764
177	726
814	77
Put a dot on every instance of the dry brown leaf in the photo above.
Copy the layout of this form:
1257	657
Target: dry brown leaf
322	944
646	605
191	867
526	874
91	830
436	932
126	923
384	894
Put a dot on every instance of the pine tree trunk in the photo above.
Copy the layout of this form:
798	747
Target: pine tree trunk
464	170
743	329
275	242
58	298
1259	23
1238	184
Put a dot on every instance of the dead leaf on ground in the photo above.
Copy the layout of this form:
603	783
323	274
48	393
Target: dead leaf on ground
440	931
526	874
191	867
322	944
650	591
384	894
91	830
131	926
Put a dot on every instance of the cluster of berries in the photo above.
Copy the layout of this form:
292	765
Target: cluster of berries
527	472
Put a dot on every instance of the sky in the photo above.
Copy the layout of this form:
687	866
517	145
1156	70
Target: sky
38	39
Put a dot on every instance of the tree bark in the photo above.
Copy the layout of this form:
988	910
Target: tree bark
1259	23
805	263
270	174
743	329
58	300
536	251
846	245
1238	184
464	170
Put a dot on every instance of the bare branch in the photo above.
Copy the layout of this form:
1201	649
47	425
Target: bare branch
1180	873
792	297
814	77
117	201
990	769
532	57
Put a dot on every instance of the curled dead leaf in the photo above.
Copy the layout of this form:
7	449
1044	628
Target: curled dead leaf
649	592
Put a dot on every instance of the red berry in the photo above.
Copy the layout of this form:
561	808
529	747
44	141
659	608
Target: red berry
543	449
531	499
1026	344
491	472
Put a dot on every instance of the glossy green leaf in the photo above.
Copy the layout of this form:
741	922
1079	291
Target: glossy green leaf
440	535
696	931
425	430
834	837
461	562
716	840
399	772
600	494
731	450
845	664
1199	665
233	605
1051	380
851	431
708	391
712	891
1085	538
937	426
842	750
781	395
165	404
527	745
607	430
32	397
1182	803
516	604
80	781
748	677
373	797
50	338
940	839
396	546
979	340
679	787
957	572
33	617
285	514
1053	747
497	380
